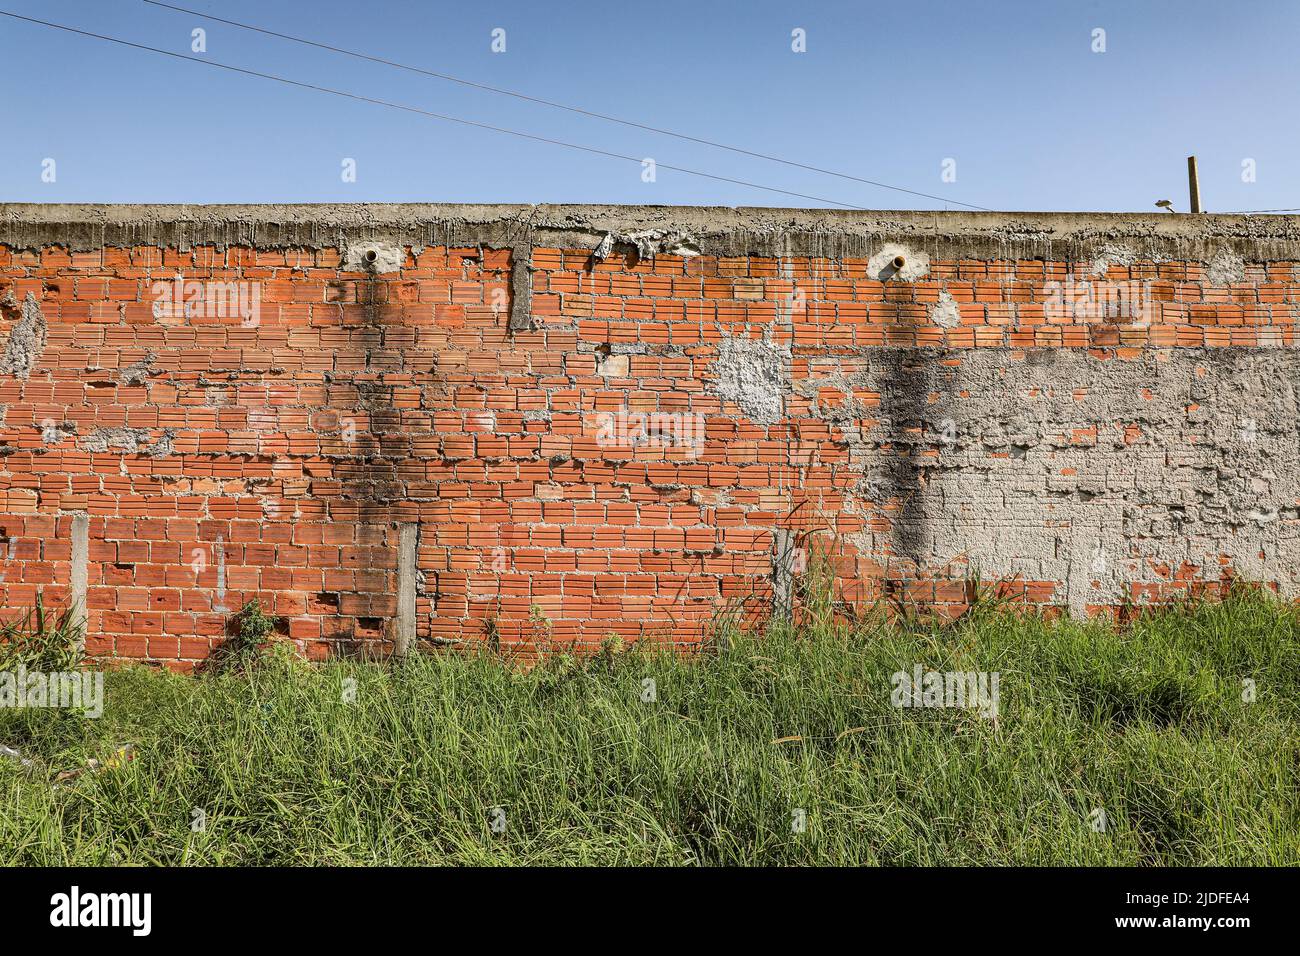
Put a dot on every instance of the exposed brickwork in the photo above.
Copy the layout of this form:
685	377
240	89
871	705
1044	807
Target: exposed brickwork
620	466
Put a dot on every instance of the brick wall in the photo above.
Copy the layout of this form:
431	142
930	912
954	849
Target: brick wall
622	421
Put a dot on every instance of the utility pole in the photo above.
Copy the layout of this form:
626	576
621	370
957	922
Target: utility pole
1193	185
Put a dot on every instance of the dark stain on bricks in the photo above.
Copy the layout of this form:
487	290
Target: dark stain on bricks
372	444
906	407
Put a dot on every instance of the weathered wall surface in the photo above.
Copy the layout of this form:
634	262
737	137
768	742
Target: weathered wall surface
399	423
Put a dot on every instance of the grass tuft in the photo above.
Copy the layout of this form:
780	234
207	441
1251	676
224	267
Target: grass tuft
40	641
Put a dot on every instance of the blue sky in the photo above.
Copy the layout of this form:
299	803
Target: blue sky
1012	91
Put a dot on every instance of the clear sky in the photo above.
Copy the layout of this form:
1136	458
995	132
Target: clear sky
1012	91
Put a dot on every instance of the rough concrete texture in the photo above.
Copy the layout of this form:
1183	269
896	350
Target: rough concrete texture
56	433
521	285
137	373
79	577
407	581
1112	254
714	230
1225	267
26	340
648	243
1098	473
755	374
129	440
783	572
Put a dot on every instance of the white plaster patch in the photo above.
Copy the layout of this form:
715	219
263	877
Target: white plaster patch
945	313
916	264
755	374
388	257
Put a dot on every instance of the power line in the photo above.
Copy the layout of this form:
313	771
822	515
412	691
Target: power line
1251	212
559	106
442	116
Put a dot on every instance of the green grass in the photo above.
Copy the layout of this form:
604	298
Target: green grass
1146	722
